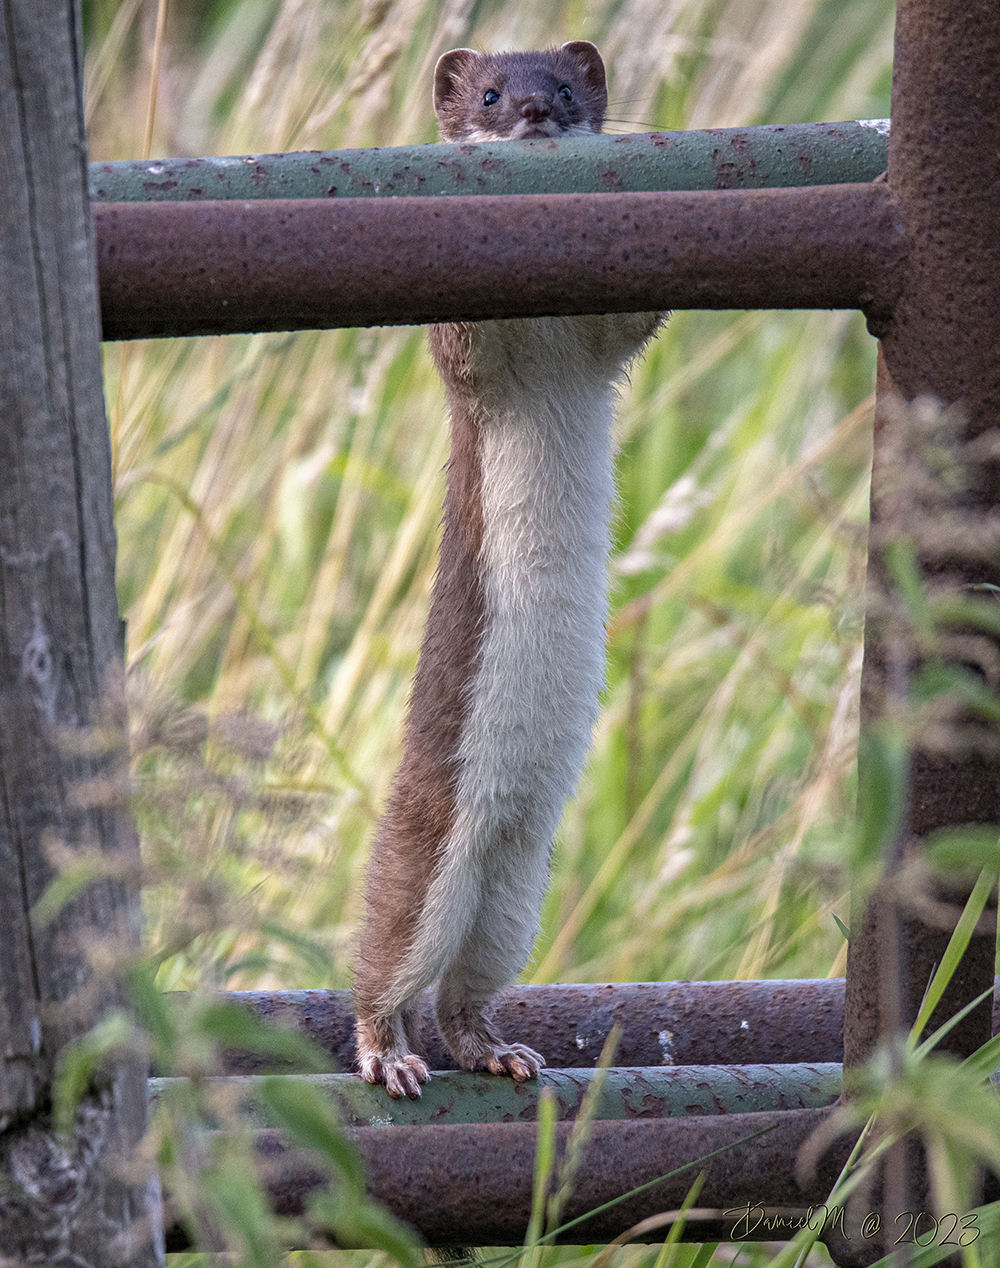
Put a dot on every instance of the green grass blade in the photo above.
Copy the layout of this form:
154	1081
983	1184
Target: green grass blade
545	1156
957	944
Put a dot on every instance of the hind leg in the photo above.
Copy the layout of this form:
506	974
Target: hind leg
491	955
385	1054
396	962
472	1038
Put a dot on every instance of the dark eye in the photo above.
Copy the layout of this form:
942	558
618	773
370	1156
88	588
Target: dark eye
490	97
565	92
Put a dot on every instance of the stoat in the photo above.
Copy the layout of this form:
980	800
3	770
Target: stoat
512	660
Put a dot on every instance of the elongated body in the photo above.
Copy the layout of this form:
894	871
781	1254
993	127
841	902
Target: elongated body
512	661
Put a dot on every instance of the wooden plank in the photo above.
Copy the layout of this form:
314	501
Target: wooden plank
60	658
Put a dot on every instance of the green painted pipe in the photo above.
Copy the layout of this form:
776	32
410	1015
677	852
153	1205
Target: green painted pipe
722	158
639	1092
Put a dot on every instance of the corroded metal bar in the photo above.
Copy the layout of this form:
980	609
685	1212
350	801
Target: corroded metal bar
944	339
662	1023
650	1092
224	267
470	1185
720	158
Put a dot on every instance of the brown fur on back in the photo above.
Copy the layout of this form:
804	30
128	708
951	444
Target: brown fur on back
419	814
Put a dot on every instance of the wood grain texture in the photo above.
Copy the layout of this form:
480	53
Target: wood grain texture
60	661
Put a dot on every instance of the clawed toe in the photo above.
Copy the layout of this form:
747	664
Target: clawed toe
403	1078
400	1077
515	1059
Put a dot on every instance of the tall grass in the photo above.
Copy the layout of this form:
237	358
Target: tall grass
278	505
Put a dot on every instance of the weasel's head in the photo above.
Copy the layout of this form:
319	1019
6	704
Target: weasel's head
515	96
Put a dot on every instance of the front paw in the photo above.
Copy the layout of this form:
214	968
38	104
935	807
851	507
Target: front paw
400	1076
515	1060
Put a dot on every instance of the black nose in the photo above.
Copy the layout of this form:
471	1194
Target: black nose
535	111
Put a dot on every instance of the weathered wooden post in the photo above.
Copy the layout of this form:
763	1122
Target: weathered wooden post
61	1199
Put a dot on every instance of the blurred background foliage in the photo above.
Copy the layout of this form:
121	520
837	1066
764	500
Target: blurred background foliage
279	496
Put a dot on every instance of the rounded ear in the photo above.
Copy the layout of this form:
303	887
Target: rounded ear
449	68
591	62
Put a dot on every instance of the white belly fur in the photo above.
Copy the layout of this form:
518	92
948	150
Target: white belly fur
546	387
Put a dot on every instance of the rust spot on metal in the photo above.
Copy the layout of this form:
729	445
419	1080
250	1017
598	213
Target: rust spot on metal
652	1107
162	186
